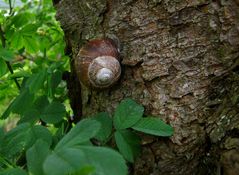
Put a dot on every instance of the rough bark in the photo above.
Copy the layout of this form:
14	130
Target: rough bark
180	60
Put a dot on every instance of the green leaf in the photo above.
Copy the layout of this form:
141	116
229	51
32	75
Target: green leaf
105	160
154	126
41	103
82	132
36	81
23	102
36	155
54	113
17	41
65	161
127	113
13	171
30	44
21	19
72	160
106	126
5	54
25	136
30	116
3	67
128	144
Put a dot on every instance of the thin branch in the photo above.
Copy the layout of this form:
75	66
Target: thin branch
3	39
10	7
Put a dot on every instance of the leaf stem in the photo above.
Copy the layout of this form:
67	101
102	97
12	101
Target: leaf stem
3	39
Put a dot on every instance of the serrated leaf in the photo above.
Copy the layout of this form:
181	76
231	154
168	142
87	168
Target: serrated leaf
36	81
127	113
36	155
6	54
106	126
3	67
154	126
54	113
82	132
128	144
13	171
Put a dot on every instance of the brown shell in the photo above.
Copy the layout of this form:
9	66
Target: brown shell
91	50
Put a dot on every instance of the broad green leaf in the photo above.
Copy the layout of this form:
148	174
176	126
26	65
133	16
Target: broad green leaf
23	18
7	112
128	144
29	29
17	41
36	81
3	67
106	126
13	171
17	135
41	103
82	132
54	113
65	161
55	79
30	116
154	126
23	102
127	113
35	157
25	136
7	55
105	160
30	44
86	170
39	132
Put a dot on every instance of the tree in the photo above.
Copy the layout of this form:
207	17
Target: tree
180	61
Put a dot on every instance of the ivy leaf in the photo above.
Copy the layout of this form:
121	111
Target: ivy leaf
54	113
154	126
3	67
36	155
82	132
127	113
106	126
128	144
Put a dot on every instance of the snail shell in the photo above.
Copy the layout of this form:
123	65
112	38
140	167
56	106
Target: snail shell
97	63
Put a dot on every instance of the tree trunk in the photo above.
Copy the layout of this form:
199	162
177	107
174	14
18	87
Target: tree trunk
180	61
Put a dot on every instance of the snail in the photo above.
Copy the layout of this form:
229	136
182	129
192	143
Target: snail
97	64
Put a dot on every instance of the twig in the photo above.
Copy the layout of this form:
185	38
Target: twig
3	39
